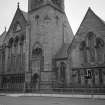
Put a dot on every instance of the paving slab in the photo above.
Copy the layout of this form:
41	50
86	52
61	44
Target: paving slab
54	95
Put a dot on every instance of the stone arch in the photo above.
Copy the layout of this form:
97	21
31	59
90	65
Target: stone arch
16	40
4	45
10	43
10	46
17	26
99	49
82	45
22	38
62	71
37	44
37	63
83	48
22	52
91	39
35	81
10	54
35	77
37	49
99	42
90	35
90	49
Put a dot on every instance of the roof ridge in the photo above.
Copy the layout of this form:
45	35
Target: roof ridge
90	9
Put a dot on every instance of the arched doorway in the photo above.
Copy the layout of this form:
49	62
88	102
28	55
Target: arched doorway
62	71
61	74
35	81
37	65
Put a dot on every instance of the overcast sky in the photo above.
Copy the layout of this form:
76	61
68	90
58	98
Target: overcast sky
75	10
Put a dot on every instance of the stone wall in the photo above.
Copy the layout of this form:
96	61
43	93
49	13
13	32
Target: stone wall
49	33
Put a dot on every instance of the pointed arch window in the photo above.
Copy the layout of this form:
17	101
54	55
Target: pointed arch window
22	55
90	35
99	43
16	41
37	17
99	48
22	38
37	51
62	71
91	39
10	42
10	45
10	53
91	52
82	45
17	27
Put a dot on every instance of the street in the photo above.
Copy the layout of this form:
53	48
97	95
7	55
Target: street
7	100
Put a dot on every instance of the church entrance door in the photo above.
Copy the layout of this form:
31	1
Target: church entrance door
36	68
37	62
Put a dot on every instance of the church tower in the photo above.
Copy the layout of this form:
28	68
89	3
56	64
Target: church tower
49	30
34	4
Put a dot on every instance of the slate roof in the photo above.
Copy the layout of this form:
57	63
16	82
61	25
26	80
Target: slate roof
76	35
62	53
90	10
2	36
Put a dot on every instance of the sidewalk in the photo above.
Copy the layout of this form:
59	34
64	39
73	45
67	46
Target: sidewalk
54	95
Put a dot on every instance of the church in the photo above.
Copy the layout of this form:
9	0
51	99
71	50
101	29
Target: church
39	51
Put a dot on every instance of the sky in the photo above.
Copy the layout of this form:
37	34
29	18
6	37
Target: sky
75	11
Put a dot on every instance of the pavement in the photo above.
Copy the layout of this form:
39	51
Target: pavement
11	99
55	95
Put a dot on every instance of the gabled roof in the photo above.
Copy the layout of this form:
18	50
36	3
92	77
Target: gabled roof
24	14
2	36
92	12
62	53
88	14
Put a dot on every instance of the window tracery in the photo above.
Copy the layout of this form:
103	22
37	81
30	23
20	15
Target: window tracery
17	27
99	43
91	52
92	48
62	71
37	18
16	41
37	51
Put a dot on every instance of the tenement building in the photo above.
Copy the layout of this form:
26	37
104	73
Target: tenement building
40	52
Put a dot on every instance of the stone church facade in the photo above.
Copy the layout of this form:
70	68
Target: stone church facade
87	53
39	50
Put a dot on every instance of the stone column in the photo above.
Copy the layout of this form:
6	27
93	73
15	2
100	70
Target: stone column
27	56
68	74
6	58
